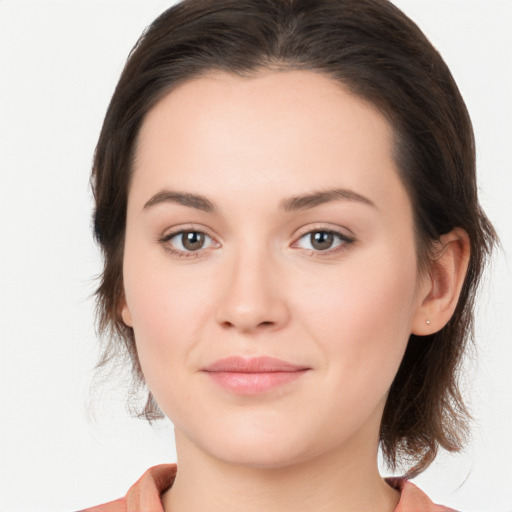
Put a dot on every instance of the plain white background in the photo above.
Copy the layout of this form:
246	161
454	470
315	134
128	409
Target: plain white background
59	63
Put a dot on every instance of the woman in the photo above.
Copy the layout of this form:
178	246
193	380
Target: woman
286	201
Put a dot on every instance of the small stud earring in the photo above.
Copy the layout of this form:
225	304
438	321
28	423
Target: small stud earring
427	322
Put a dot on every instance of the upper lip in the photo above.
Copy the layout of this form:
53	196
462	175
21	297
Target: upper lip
237	364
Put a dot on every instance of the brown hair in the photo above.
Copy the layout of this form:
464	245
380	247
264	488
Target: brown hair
377	53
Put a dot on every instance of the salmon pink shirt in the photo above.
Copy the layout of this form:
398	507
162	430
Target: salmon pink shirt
144	495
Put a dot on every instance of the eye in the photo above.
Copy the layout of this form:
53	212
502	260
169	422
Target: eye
323	240
185	242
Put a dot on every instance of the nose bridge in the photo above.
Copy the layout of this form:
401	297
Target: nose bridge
252	294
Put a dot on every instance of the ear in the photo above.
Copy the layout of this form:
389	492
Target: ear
441	288
124	312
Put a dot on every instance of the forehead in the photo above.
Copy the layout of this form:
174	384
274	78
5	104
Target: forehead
291	129
296	102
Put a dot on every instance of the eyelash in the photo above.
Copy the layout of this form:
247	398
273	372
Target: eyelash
345	241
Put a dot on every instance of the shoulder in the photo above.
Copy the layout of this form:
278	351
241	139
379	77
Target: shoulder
413	499
144	494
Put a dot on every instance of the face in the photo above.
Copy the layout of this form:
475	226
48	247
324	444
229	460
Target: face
300	249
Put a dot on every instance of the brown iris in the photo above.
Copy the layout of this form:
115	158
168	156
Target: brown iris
322	240
192	240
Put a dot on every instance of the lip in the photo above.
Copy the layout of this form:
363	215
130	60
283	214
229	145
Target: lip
254	375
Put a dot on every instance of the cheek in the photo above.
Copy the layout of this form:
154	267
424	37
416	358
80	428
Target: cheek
361	317
165	321
158	303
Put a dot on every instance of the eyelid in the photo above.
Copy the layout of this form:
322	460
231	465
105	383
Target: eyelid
337	230
170	232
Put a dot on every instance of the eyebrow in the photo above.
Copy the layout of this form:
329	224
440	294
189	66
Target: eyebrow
183	198
292	204
307	201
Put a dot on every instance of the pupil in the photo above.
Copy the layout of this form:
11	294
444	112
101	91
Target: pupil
192	240
322	240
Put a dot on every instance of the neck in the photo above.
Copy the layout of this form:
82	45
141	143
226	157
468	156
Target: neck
344	480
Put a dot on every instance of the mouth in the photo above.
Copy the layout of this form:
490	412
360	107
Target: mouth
253	376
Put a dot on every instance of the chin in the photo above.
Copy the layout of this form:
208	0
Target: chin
256	457
260	448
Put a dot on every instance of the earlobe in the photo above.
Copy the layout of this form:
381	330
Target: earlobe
446	277
126	316
125	313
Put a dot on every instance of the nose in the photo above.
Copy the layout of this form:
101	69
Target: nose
253	296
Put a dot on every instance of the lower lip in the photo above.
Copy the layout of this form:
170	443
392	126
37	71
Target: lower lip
253	383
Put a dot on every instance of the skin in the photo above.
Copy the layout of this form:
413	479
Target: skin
259	287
